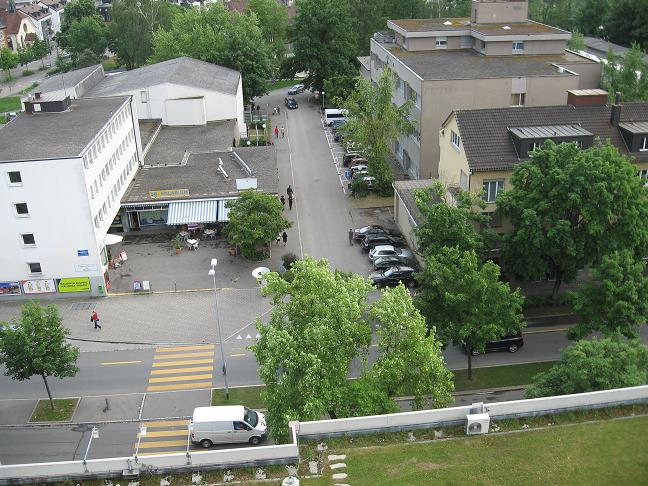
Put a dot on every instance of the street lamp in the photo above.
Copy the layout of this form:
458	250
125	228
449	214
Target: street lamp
142	433
265	139
93	435
323	93
212	272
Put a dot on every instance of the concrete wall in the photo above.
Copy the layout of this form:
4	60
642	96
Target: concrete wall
505	48
485	12
429	43
405	222
451	161
589	73
184	112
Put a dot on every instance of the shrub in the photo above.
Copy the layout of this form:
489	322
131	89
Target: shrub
359	188
27	72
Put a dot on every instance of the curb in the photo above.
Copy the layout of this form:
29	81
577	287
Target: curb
473	392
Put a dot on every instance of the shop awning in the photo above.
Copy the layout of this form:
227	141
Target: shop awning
223	211
185	212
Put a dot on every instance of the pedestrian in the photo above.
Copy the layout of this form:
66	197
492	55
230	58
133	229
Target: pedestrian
258	109
94	318
284	236
276	131
278	238
274	110
290	201
283	132
289	190
351	237
283	200
278	110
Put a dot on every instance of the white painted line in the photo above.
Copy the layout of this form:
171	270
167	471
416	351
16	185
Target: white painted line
139	416
328	141
292	178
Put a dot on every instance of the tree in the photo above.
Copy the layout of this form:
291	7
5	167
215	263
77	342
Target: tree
255	218
410	361
37	346
407	9
75	11
590	16
25	55
87	34
450	8
599	364
626	22
8	61
576	43
466	302
615	301
219	36
323	40
627	75
272	19
552	12
375	122
569	207
39	49
451	223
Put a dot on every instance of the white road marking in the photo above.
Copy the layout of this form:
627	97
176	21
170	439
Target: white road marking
292	178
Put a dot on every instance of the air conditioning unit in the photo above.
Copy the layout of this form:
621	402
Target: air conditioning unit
477	423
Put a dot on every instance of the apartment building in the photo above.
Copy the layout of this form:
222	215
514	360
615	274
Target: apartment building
64	165
495	58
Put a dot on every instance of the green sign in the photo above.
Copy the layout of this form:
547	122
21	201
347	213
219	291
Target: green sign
77	284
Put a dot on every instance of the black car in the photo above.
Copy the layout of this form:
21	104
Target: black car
360	233
337	124
393	276
385	262
509	343
291	103
373	240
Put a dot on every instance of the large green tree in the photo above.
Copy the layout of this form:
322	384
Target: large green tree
558	13
626	22
590	16
255	220
599	364
39	49
220	36
37	346
569	207
627	74
375	122
615	300
75	11
8	60
466	302
88	34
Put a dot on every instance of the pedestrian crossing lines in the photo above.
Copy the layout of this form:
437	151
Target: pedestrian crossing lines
163	437
182	368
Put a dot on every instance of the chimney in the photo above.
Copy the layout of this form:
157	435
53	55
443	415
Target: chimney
37	95
615	115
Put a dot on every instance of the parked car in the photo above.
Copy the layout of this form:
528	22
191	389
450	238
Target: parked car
356	159
291	103
227	424
337	124
393	276
360	233
388	250
296	89
371	241
359	168
366	178
509	343
391	261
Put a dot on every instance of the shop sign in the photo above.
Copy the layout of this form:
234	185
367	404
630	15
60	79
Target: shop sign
83	253
10	288
44	286
169	193
75	284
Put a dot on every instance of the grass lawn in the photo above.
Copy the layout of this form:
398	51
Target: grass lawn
498	376
607	452
250	396
283	83
109	64
9	103
63	410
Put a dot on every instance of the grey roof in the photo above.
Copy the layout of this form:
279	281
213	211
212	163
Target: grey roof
365	61
468	64
489	146
432	25
67	80
461	24
548	131
599	47
182	70
635	127
406	191
57	135
201	177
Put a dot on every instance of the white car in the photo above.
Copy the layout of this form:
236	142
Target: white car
388	250
359	168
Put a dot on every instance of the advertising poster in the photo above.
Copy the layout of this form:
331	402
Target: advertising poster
44	286
10	288
76	284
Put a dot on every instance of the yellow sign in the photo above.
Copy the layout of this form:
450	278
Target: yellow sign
76	284
169	193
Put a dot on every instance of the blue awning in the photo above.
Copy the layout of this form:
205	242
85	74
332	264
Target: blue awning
185	212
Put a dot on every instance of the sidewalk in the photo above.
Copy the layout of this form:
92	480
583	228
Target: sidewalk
19	83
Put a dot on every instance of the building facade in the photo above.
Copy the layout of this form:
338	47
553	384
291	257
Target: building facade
41	18
19	30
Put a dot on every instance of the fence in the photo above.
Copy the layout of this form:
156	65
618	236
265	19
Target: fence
288	453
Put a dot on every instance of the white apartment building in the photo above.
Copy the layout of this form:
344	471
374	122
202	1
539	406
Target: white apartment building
64	166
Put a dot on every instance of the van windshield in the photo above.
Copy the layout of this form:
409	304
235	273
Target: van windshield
251	417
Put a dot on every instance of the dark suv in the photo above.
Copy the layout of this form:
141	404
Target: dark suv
372	240
291	103
393	275
508	343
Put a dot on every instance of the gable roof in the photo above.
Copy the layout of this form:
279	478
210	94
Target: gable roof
54	4
70	79
488	143
12	20
35	11
182	70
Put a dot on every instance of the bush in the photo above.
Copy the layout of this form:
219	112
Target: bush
359	188
27	72
289	260
547	300
253	142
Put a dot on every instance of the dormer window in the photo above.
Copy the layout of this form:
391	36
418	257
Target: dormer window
635	135
528	139
643	146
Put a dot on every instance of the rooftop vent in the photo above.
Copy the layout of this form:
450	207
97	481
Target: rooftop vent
506	27
447	22
220	168
243	165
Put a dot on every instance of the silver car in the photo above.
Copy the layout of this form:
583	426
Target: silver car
388	250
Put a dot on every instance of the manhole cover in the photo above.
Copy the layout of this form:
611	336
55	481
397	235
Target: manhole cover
83	306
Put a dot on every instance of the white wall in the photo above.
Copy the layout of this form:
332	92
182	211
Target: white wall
184	112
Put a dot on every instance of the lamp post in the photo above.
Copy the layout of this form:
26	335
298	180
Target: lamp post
265	139
93	435
212	272
142	433
323	93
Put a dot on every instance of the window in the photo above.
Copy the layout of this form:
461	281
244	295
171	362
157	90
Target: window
455	139
144	96
416	135
16	178
644	144
643	174
35	267
441	42
518	47
492	189
96	221
517	99
28	239
21	209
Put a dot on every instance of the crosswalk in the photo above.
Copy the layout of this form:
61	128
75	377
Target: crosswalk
182	368
164	437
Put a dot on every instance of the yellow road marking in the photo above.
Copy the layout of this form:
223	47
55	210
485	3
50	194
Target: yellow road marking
180	378
184	355
165	423
165	433
163	443
170	371
184	348
160	453
545	330
180	386
183	362
237	355
121	362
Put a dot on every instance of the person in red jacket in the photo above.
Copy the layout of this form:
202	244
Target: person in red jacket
95	319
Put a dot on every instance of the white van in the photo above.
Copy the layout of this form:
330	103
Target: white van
225	425
332	114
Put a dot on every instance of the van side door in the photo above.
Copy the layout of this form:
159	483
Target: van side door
221	432
242	432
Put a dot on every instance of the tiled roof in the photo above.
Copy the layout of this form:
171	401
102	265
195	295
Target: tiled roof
12	20
36	11
54	4
599	47
488	144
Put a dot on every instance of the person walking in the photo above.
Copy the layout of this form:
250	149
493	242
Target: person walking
290	201
276	131
94	318
283	132
283	201
284	237
289	190
351	236
278	110
278	238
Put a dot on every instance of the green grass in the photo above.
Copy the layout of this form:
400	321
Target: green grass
608	452
250	396
283	83
499	376
109	64
63	410
3	119
9	103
